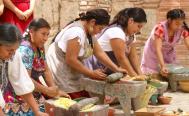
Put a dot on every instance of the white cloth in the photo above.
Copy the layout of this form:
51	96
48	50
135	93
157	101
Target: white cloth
111	33
18	76
2	102
67	34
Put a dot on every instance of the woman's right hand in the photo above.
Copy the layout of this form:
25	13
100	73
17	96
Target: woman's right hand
1	112
20	15
52	91
98	74
164	71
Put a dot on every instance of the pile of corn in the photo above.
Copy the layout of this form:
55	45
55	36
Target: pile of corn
64	102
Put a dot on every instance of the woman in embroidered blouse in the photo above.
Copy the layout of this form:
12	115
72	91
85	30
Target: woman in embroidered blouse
14	77
73	44
33	56
160	46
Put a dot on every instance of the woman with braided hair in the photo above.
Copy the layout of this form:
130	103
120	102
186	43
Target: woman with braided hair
159	49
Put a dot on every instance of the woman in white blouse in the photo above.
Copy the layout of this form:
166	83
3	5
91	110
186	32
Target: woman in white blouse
14	79
117	40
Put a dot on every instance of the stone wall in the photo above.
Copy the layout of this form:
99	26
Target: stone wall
59	12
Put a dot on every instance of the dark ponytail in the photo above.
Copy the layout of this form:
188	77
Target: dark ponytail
100	15
177	14
138	15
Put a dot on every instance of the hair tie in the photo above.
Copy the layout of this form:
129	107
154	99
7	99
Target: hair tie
82	15
26	33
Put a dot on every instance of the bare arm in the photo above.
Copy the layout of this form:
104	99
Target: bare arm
134	59
72	60
186	41
101	55
29	12
50	91
32	4
48	76
1	112
8	4
158	47
118	47
1	7
33	104
38	86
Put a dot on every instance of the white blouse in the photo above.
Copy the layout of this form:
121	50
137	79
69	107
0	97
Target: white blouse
18	77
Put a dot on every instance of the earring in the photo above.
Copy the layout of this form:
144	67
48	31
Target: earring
91	29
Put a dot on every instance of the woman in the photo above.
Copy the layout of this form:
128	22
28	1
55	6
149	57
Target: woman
159	49
117	40
18	12
73	44
33	56
1	7
14	76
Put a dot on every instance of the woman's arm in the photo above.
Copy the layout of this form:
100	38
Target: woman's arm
48	76
158	48
50	82
29	12
1	7
102	56
32	5
8	4
33	104
134	59
50	91
118	47
1	112
72	60
186	41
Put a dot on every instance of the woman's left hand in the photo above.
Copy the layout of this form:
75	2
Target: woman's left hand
63	94
122	70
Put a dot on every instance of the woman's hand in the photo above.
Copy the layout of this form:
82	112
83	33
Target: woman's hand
98	74
20	15
1	112
27	14
52	91
164	71
122	70
63	94
39	113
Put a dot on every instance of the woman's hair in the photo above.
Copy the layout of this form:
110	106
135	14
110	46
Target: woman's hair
100	15
9	34
36	24
177	14
138	15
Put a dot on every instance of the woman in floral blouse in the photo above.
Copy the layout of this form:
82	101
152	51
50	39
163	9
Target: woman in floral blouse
33	56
